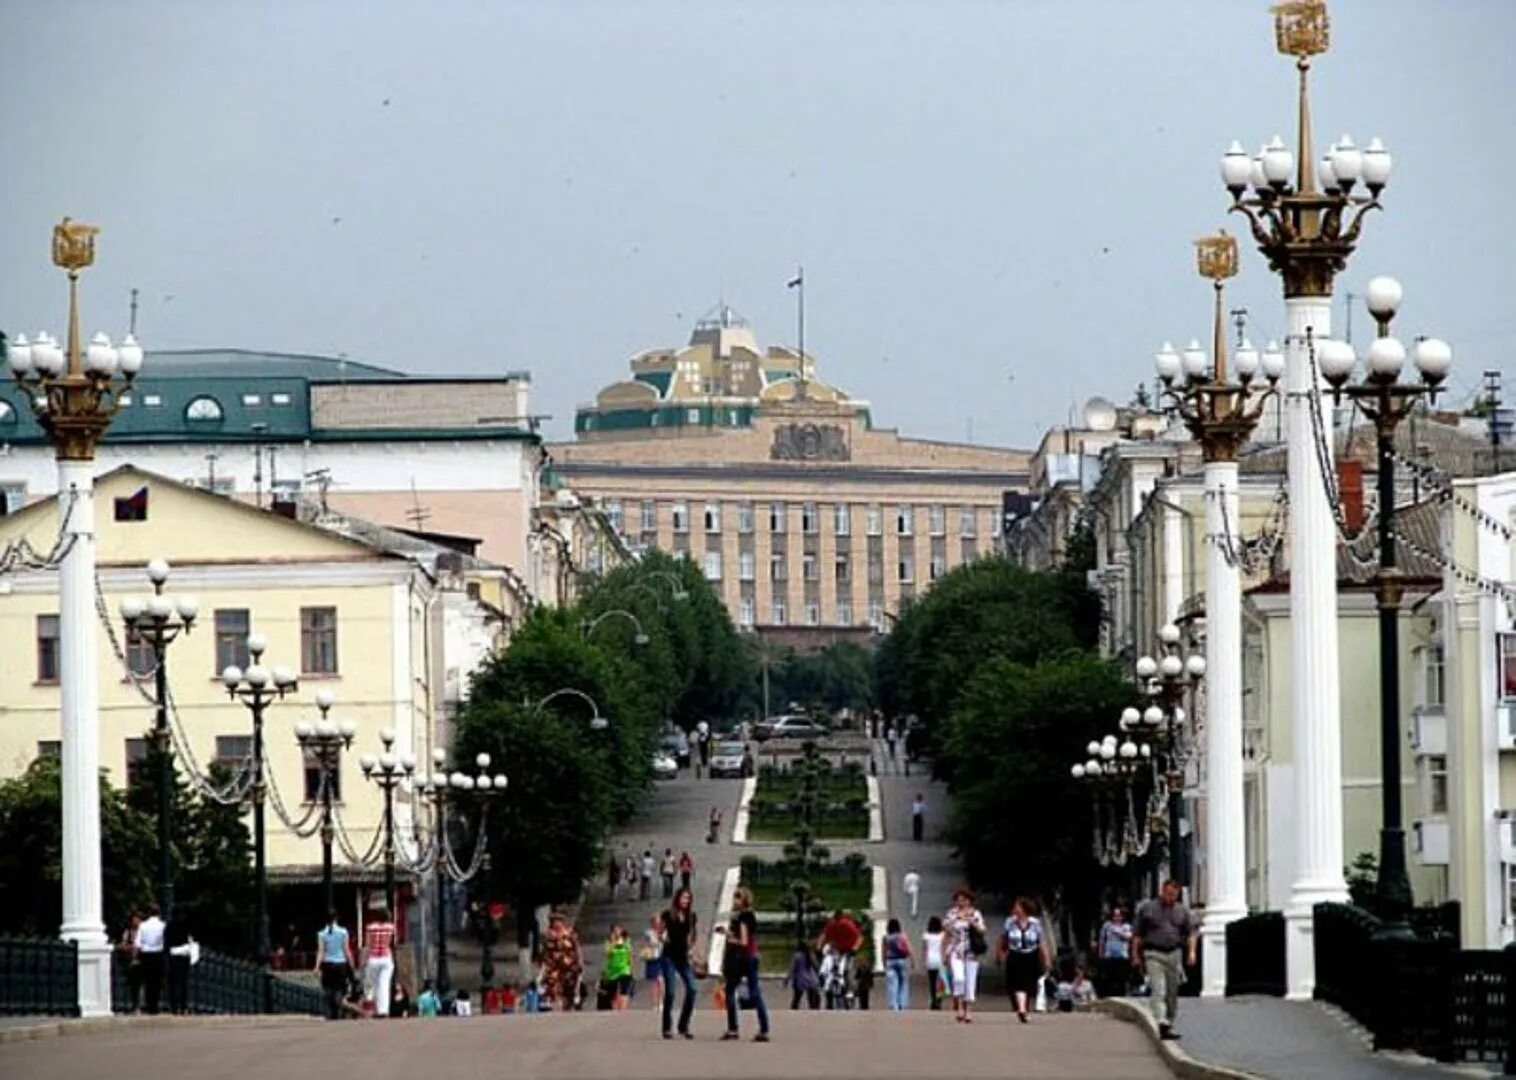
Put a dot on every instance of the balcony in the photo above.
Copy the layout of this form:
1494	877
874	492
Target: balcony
1429	730
1505	721
1431	842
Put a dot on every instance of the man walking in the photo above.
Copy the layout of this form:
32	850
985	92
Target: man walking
890	736
666	871
1163	943
150	953
645	875
918	818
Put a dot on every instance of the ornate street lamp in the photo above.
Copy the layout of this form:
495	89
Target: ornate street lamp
1387	401
1221	413
323	743
74	393
676	587
158	620
389	771
588	626
442	790
1166	683
1113	772
1307	234
256	688
597	722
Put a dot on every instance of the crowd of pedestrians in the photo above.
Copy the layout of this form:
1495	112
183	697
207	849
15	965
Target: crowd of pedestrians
157	954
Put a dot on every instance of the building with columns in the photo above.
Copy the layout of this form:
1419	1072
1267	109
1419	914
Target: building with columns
779	486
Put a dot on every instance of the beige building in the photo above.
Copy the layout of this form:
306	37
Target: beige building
778	485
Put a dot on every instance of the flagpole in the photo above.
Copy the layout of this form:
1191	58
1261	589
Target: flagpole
799	283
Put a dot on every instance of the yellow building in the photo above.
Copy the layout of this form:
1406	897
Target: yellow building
349	616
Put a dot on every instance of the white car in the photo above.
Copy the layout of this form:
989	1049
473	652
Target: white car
729	759
665	767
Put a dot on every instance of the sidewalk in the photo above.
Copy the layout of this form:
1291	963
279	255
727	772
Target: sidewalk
1282	1040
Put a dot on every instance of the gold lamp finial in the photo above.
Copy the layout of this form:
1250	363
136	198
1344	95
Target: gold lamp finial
1302	28
73	245
1216	256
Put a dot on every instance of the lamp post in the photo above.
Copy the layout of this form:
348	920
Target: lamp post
1307	235
1221	413
389	771
1387	401
676	587
588	626
74	392
1112	771
1165	683
324	742
597	721
256	688
158	620
442	789
487	925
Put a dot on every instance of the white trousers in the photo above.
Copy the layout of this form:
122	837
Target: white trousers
379	973
965	975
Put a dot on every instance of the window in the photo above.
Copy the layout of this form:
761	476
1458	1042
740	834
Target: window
251	400
939	566
745	612
776	517
745	569
136	762
903	517
232	752
204	410
49	748
809	568
1508	667
279	398
844	568
844	613
875	521
131	507
713	566
12	498
776	613
744	517
613	513
907	569
713	517
876	615
649	516
287	488
152	401
681	517
692	415
876	571
232	628
125	399
139	653
1433	686
47	648
965	521
995	526
318	640
1436	770
939	520
809	518
313	778
776	568
812	614
842	523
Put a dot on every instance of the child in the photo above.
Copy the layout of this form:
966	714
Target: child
508	998
531	999
1076	993
426	1002
652	951
463	1006
803	980
831	964
618	968
863	964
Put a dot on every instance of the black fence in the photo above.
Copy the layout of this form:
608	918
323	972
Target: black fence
38	977
1255	955
1425	995
216	985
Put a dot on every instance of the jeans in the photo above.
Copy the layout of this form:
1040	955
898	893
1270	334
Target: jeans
686	975
746	972
1165	972
897	985
668	886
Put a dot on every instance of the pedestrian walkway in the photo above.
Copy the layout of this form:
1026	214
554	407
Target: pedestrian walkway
1287	1040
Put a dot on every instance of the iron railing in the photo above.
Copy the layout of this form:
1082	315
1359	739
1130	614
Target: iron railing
1255	955
38	977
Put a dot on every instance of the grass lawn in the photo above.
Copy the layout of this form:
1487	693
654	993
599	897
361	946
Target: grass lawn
855	827
834	891
835	789
831	789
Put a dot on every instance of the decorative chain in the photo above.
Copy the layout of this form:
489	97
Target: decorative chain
19	553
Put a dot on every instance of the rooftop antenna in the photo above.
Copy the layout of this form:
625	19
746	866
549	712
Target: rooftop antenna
1496	417
210	464
322	478
1350	298
798	282
1240	320
258	430
132	322
417	515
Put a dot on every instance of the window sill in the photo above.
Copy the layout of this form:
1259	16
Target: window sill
320	676
45	682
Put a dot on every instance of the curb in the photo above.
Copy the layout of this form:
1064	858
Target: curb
60	1028
740	822
1179	1063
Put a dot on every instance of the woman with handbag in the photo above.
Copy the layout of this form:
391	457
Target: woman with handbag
964	944
1024	948
681	944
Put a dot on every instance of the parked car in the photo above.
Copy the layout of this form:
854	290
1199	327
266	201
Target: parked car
664	766
790	727
676	744
731	759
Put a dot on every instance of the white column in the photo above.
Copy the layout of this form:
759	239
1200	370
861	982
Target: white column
1173	562
1315	716
83	922
1225	830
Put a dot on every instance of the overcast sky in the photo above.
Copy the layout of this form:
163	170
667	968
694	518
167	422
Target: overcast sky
994	202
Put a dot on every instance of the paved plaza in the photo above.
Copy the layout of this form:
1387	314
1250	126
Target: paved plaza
625	1046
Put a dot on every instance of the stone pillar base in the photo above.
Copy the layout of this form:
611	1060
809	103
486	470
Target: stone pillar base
94	975
1213	950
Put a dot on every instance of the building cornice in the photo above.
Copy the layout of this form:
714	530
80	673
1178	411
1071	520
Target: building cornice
799	471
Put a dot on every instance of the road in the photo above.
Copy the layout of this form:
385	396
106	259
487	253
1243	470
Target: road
624	1046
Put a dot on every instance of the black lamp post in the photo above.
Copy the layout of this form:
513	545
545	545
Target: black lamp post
323	742
389	771
158	620
1165	683
1387	401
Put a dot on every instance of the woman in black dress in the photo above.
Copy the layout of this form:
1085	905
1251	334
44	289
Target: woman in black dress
1024	948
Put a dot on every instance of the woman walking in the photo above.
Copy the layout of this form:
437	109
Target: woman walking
681	942
1024	948
963	929
379	960
803	980
741	966
1114	949
898	965
562	963
931	952
652	958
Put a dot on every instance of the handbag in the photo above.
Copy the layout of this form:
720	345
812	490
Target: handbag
977	945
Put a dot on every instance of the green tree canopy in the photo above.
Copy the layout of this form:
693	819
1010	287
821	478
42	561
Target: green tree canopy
839	676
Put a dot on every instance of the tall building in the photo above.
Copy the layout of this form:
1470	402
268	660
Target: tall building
800	511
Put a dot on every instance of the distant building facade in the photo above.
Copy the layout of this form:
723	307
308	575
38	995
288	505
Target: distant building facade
800	512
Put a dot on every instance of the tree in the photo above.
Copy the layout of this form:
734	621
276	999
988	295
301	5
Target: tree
1019	819
31	857
839	676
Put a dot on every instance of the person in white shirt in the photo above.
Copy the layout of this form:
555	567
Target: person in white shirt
931	950
150	952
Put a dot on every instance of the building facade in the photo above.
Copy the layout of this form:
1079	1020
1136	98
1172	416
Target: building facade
801	512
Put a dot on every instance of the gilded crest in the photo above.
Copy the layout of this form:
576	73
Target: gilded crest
73	244
1216	256
1302	27
809	442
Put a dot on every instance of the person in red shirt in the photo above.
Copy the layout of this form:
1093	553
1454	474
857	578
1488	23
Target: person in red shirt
841	933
